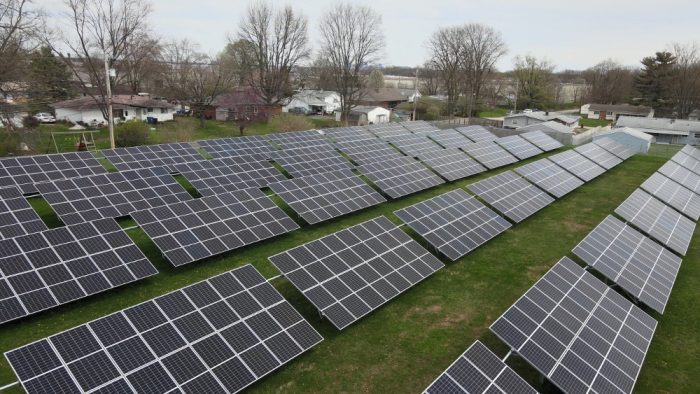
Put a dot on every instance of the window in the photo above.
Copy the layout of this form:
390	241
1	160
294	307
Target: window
163	110
126	113
149	109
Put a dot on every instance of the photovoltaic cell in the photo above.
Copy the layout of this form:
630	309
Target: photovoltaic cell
518	147
450	138
368	151
511	195
477	133
691	151
598	155
658	220
311	160
687	161
25	171
348	274
549	177
400	177
298	139
383	130
579	333
343	134
147	156
673	194
229	174
419	127
325	196
681	175
478	371
48	268
541	140
451	164
413	145
215	336
489	154
637	264
577	164
455	223
17	217
111	195
614	147
193	230
230	147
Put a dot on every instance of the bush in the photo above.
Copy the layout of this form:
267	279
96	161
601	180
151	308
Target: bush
288	122
30	122
131	133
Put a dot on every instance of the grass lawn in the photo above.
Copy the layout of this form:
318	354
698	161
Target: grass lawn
404	345
586	122
493	113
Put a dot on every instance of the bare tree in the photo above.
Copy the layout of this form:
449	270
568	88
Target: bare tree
482	47
351	41
279	42
429	79
534	79
375	80
140	61
685	79
610	82
445	47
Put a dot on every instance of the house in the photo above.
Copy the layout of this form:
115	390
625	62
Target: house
387	98
631	138
315	101
363	115
125	107
242	102
518	120
664	130
613	111
556	130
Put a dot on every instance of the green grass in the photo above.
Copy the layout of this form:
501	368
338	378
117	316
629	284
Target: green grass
586	122
493	113
404	345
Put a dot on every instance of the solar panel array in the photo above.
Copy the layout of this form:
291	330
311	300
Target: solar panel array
478	371
193	230
658	220
228	174
450	138
455	223
383	130
368	151
419	127
614	147
342	134
451	164
541	140
111	195
682	175
48	268
311	160
511	195
147	156
477	133
215	336
518	147
690	151
579	333
298	139
577	164
17	217
687	161
598	155
325	196
245	145
413	145
400	177
489	154
637	264
673	194
549	177
25	171
350	273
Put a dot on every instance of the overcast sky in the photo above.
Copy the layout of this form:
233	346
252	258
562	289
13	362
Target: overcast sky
572	35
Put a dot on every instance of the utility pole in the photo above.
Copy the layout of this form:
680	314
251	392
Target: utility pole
110	114
415	95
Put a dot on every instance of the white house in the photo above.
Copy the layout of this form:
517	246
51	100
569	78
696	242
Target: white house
314	101
363	115
665	131
631	138
529	118
612	112
126	107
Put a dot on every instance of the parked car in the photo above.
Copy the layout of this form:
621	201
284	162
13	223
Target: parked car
299	111
45	117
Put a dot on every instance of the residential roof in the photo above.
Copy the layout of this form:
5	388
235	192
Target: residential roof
365	109
382	94
630	131
621	108
549	126
660	125
240	96
544	117
119	101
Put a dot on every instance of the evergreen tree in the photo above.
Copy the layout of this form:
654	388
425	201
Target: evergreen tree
654	81
48	80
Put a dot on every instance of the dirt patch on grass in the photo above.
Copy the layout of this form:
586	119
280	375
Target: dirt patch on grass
451	320
572	225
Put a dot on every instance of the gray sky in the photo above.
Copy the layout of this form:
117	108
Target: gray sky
573	35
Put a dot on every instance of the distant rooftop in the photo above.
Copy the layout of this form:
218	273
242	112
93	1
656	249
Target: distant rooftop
660	125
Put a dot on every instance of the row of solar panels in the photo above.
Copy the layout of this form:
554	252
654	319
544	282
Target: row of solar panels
575	330
222	334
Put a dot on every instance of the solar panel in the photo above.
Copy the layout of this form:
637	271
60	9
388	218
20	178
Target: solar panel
368	151
478	371
215	336
579	333
549	177
476	133
48	268
229	147
17	217
25	171
512	195
451	164
687	161
658	220
350	273
400	177
681	175
147	156
298	139
419	127
541	140
311	160
637	264
228	174
673	194
614	147
325	196
111	195
450	138
489	154
383	130
455	223
598	155
413	145
194	230
343	134
577	164
518	147
690	151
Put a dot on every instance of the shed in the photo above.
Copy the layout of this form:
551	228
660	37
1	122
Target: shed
631	138
363	115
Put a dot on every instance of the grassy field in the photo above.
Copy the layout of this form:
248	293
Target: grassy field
404	345
493	113
587	122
